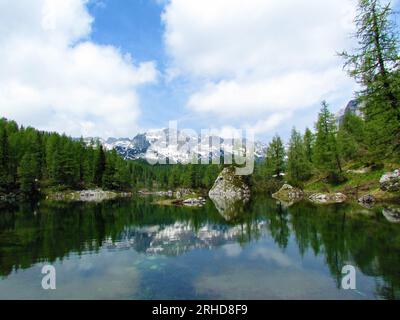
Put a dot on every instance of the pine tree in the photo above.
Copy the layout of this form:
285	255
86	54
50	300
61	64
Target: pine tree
189	176
69	165
122	180
326	153
51	147
5	178
298	166
275	159
375	65
351	138
28	174
108	176
309	140
100	166
88	166
210	175
173	178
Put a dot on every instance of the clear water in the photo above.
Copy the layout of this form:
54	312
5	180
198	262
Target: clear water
133	249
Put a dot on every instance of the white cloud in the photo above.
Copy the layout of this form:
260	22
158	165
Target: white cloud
55	78
260	59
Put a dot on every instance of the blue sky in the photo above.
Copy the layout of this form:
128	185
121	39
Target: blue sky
136	28
119	67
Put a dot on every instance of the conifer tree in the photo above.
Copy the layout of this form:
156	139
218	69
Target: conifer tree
298	166
309	140
122	179
351	138
275	159
326	153
108	181
375	65
5	178
28	174
100	166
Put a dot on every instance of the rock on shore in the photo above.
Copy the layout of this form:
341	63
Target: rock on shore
390	181
96	195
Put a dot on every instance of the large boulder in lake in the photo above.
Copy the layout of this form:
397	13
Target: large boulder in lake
230	186
229	194
390	181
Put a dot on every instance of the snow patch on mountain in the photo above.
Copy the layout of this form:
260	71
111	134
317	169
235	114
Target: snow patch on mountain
152	144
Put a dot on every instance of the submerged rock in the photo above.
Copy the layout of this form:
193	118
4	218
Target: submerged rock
367	201
229	208
230	186
194	202
289	194
392	214
327	198
390	181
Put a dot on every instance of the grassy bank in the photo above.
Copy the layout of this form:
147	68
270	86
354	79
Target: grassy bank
357	183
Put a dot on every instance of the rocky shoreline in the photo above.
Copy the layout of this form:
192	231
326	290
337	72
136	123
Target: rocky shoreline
96	195
290	195
389	188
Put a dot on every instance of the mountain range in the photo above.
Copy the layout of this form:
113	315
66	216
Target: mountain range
150	144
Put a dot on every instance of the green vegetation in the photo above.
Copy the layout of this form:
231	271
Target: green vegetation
34	162
269	174
375	66
325	160
331	233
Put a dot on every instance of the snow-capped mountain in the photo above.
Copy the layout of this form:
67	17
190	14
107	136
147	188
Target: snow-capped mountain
152	144
181	237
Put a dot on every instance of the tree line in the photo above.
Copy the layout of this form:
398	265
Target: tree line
33	161
323	151
371	138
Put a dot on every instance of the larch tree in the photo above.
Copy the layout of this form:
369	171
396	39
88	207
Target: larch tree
374	64
326	153
298	166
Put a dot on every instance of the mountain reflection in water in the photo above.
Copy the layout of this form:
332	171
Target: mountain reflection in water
206	247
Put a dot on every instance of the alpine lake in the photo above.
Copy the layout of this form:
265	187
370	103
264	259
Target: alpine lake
135	249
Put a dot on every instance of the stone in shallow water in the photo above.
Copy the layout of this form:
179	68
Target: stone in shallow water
367	201
391	181
194	202
392	214
326	198
289	194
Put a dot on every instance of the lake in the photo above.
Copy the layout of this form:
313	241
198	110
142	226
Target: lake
134	249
